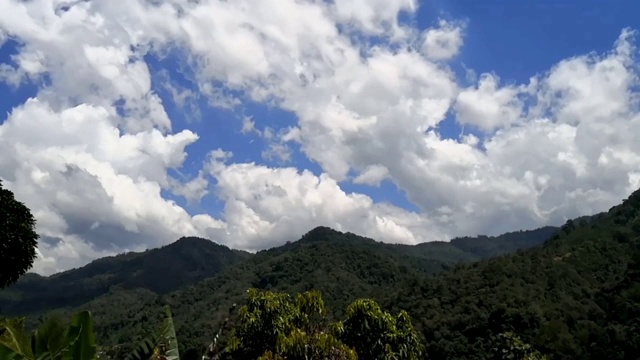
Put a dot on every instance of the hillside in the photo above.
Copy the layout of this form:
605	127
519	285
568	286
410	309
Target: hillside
491	246
343	266
577	297
125	292
160	271
190	260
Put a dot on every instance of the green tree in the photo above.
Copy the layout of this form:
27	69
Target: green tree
18	239
376	334
275	326
510	347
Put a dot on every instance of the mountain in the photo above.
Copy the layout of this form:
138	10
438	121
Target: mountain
576	297
159	271
492	246
126	293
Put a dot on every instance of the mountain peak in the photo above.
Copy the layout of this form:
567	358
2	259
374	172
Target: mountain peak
325	233
193	241
633	200
320	233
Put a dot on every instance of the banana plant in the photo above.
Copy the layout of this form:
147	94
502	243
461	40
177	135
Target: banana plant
161	345
51	341
55	341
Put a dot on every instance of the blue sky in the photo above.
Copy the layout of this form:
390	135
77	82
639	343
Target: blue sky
515	39
346	147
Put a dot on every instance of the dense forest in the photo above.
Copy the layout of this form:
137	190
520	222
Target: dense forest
569	292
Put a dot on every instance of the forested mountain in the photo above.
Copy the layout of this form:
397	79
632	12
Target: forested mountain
491	246
160	271
126	293
577	297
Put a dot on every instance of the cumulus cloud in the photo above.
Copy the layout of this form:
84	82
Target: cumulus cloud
368	92
266	206
87	182
372	175
443	42
488	106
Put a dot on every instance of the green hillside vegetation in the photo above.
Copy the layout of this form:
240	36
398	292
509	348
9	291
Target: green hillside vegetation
343	266
271	326
191	259
577	297
492	246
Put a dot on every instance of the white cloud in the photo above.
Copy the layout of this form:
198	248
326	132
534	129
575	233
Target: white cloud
443	42
77	170
267	206
374	17
372	175
560	146
488	106
193	190
249	126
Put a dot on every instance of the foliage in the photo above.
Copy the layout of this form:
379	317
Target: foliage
376	334
192	260
127	301
160	345
577	297
52	341
510	347
55	340
274	326
492	246
18	238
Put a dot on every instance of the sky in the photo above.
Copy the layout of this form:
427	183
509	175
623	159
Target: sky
126	125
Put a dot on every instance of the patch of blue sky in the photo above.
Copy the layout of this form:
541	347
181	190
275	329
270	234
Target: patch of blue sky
10	95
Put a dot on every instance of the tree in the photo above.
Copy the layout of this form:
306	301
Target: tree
510	347
275	326
376	334
18	238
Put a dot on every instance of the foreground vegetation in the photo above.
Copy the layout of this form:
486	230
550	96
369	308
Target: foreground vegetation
270	326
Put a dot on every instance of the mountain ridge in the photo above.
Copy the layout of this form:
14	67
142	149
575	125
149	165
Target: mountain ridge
323	258
575	297
160	270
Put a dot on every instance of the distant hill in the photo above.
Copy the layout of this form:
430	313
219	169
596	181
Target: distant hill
160	271
491	246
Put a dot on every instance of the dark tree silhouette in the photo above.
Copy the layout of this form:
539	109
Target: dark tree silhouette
18	239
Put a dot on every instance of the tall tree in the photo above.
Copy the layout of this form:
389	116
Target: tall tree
18	238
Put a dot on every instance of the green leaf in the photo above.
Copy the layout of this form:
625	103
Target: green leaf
16	338
7	353
171	340
84	346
